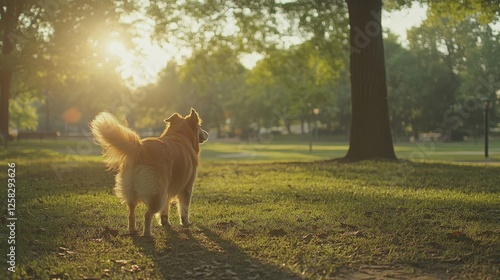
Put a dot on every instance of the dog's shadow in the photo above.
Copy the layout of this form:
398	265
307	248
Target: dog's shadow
200	253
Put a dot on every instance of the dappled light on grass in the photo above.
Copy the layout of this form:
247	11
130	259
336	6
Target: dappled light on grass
319	219
266	220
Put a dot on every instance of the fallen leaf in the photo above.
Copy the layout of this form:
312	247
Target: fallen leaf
135	268
63	249
58	276
307	237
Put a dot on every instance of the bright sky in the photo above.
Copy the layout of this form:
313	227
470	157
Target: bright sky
140	71
402	20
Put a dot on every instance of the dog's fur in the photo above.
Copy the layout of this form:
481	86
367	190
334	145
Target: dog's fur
153	170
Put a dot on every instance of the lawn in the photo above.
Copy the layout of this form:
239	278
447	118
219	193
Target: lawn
263	211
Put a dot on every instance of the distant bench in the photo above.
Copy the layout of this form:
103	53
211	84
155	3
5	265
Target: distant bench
38	135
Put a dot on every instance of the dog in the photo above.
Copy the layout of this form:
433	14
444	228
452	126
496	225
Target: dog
153	170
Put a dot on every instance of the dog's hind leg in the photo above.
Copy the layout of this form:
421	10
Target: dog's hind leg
132	205
164	213
147	222
184	201
153	207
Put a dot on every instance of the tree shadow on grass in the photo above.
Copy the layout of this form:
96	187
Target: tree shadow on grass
200	253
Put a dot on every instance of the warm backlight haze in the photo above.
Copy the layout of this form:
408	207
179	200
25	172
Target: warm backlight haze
140	66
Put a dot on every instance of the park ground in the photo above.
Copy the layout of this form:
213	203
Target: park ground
262	210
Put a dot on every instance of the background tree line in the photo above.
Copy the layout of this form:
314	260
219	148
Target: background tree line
63	77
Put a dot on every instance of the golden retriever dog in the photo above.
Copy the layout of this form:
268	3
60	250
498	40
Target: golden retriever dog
153	170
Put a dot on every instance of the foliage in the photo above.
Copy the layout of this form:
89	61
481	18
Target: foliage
292	82
458	56
58	52
23	115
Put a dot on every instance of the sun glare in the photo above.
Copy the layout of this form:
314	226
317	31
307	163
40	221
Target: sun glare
129	64
118	49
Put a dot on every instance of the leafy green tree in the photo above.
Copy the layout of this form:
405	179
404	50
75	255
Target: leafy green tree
258	23
23	113
261	24
403	82
290	83
161	99
451	48
55	43
210	80
481	79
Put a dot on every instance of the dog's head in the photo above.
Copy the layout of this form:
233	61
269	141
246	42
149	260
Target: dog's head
191	122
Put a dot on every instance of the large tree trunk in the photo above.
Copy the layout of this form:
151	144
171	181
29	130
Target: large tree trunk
370	129
5	78
8	20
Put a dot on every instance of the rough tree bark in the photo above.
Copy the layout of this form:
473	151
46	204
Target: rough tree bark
370	136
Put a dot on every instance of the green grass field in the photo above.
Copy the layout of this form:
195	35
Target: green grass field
262	211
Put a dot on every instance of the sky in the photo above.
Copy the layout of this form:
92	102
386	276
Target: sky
402	20
140	71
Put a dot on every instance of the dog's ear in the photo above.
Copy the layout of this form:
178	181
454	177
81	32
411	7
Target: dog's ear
193	115
172	118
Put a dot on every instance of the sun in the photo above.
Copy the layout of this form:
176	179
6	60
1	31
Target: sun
117	48
129	64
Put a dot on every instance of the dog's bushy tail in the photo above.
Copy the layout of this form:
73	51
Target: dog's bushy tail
117	140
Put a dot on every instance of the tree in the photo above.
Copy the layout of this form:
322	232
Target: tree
458	66
9	14
403	82
324	21
370	130
54	41
210	80
23	113
289	82
260	24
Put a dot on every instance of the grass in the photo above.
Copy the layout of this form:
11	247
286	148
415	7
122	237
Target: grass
262	217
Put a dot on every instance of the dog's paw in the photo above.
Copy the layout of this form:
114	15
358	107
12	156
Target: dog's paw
185	223
164	221
133	232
